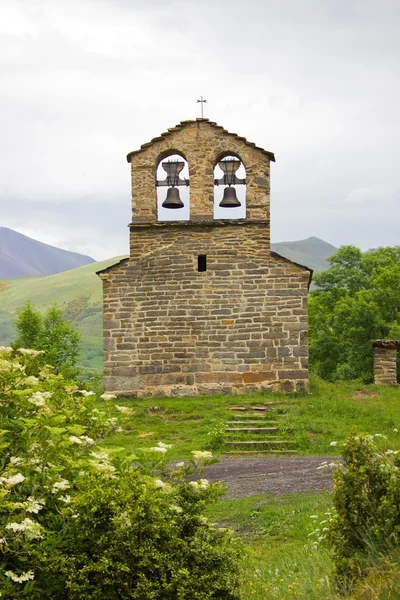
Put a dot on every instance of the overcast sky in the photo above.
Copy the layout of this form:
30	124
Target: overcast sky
83	82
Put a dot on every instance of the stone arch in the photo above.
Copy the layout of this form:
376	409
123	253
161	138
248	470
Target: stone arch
238	212
164	180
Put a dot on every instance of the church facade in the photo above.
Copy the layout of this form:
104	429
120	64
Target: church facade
202	305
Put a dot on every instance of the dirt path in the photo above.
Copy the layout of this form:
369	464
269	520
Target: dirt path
280	475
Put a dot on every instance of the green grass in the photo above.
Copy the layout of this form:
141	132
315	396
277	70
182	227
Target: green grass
329	413
279	561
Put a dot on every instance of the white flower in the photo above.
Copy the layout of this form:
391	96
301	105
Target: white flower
194	484
159	484
108	396
379	435
60	486
75	440
313	516
175	508
31	529
104	468
32	505
100	455
39	398
15	460
66	499
112	422
12	480
333	444
124	410
86	393
30	352
162	445
5	350
20	578
31	380
391	452
180	465
86	439
199	455
158	449
203	483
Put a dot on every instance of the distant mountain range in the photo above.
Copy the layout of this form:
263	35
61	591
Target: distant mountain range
21	256
311	252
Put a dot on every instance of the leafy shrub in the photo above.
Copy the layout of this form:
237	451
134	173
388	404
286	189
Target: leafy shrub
366	525
59	340
76	522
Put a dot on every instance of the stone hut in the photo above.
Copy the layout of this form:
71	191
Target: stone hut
202	305
385	361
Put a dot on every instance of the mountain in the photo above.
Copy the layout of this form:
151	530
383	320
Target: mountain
21	256
311	252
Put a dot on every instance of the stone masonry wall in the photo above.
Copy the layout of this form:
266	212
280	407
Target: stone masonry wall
202	144
171	330
385	361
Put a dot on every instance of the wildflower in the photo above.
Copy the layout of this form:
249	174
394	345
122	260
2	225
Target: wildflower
180	465
5	350
86	439
313	516
75	440
12	480
333	444
100	455
176	509
86	394
203	484
39	398
201	455
124	410
194	484
162	445
31	380
20	578
31	529
33	506
30	352
395	430
60	486
66	499
104	468
108	397
158	449
15	460
159	484
112	422
379	435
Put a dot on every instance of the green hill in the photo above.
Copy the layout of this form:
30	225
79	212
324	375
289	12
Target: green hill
311	252
78	292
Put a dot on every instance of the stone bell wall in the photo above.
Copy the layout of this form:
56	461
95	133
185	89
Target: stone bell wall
202	143
385	361
239	326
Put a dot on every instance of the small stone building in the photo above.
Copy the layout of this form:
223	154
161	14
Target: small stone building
202	305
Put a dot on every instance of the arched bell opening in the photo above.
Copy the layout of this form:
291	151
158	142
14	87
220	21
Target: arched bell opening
229	187
172	184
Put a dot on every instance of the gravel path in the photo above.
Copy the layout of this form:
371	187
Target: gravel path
279	475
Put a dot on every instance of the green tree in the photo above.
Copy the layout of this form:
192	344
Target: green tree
355	301
51	333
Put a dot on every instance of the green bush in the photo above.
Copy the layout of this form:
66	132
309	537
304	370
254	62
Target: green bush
366	523
59	340
78	523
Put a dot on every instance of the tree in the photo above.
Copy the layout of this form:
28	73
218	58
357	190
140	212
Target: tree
355	301
51	333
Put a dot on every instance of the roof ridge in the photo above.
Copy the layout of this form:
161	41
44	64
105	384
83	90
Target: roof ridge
187	122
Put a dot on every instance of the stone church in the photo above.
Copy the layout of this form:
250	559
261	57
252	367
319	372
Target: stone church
202	305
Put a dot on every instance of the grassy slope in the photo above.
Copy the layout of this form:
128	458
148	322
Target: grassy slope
78	291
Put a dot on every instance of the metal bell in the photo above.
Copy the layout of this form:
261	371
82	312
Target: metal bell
229	200
173	199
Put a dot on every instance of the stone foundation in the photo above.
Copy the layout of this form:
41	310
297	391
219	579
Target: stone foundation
385	361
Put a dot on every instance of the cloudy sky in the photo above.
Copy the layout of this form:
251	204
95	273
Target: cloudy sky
83	82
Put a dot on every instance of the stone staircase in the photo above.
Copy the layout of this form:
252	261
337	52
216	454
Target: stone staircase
260	429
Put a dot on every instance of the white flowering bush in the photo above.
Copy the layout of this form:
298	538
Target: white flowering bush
75	523
366	522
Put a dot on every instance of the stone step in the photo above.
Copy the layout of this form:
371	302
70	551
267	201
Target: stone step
263	407
252	429
264	443
269	452
251	422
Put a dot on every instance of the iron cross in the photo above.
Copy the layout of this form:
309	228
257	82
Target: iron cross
201	103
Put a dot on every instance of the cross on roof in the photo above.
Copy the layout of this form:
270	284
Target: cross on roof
201	103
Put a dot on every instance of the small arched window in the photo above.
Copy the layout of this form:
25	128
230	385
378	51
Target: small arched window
173	196
229	188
